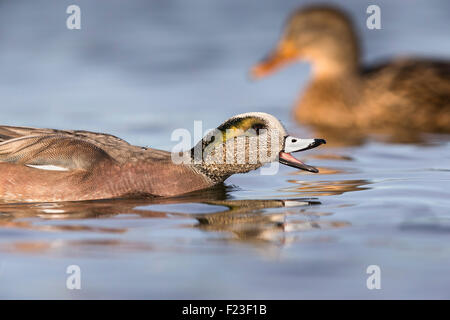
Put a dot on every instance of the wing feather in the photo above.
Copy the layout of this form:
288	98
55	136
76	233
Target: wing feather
119	149
52	150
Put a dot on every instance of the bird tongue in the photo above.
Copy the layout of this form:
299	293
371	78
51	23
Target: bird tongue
289	160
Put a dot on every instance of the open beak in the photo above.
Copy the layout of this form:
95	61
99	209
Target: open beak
292	144
283	54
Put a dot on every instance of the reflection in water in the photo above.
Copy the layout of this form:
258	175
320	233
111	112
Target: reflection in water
250	221
94	245
327	187
247	221
102	208
331	157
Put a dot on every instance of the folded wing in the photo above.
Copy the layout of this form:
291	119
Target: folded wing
54	150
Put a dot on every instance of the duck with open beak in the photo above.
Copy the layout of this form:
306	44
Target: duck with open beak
292	144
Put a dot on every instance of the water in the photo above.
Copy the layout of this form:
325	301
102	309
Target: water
142	69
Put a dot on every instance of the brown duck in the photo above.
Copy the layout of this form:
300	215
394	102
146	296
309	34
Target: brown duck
61	165
411	94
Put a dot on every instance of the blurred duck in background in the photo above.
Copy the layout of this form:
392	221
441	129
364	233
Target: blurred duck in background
403	94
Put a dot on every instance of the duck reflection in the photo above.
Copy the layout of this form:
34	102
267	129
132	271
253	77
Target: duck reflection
277	221
258	221
75	210
326	187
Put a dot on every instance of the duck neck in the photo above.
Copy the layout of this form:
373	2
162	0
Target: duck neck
216	176
327	69
218	171
199	165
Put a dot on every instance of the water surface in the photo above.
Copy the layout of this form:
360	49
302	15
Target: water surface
142	69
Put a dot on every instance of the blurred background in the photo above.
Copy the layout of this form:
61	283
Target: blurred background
133	64
140	69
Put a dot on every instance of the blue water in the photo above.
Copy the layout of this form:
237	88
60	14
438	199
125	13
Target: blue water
141	69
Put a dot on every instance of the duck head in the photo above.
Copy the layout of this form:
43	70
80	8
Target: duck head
246	142
321	35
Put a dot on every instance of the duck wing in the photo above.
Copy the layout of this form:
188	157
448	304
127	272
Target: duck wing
421	80
52	152
117	148
412	92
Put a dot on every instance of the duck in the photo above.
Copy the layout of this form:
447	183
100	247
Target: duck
405	93
51	165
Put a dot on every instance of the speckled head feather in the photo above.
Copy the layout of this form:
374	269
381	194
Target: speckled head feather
243	143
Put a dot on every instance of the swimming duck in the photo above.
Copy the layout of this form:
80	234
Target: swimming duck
61	165
413	94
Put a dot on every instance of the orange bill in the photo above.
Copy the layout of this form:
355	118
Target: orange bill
283	54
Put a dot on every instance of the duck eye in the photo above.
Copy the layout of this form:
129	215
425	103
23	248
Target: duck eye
294	140
258	127
212	139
